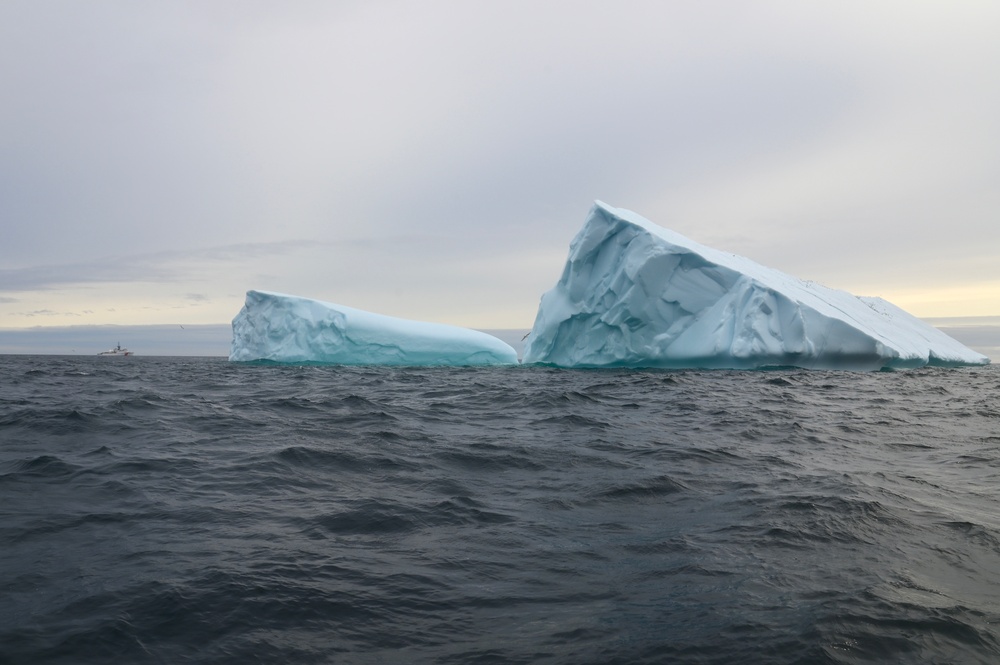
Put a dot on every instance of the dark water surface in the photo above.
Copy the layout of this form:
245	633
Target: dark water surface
170	510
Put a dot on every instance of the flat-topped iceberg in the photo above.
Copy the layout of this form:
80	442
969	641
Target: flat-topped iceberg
634	294
290	329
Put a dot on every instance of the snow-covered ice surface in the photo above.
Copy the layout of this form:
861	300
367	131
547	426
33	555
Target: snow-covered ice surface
290	329
634	294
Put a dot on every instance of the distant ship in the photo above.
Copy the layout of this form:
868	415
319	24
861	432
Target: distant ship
117	351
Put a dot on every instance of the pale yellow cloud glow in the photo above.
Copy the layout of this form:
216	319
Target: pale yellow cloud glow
973	299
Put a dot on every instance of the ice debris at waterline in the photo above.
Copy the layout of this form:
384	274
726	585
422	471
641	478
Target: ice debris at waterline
634	294
289	329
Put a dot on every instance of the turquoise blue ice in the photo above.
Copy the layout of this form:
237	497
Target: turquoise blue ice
284	328
633	294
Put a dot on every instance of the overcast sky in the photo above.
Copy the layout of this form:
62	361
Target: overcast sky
433	160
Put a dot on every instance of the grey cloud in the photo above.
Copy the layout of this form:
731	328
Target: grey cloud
150	267
47	277
43	312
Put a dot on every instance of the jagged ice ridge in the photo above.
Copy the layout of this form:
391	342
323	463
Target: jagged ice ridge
633	294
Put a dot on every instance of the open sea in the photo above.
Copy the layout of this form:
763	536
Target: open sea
190	510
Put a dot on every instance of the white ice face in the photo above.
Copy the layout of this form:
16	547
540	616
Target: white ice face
634	294
283	328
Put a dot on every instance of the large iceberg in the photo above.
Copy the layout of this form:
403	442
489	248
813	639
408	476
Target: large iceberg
291	329
634	294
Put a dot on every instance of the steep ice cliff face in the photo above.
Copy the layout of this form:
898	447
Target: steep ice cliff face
633	294
283	328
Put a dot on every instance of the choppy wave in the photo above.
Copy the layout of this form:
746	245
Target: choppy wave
191	510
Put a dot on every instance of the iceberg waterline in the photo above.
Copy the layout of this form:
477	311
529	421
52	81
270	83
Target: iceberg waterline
290	329
633	294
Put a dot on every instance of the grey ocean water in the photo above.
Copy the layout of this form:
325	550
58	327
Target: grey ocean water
169	510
